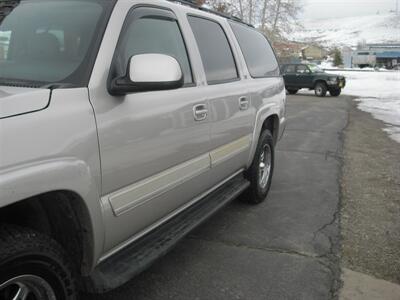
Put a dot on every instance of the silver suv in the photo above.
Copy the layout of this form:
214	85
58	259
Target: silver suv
123	125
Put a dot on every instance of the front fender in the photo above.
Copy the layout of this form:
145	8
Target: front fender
69	174
319	78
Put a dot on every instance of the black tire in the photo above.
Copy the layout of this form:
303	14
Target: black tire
292	91
335	92
34	262
257	193
320	89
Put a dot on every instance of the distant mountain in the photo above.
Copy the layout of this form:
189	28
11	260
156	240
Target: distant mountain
384	28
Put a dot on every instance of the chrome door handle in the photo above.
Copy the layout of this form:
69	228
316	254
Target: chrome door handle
200	112
243	103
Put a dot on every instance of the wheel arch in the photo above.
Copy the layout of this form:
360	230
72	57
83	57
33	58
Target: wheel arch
272	124
269	120
64	188
62	215
316	81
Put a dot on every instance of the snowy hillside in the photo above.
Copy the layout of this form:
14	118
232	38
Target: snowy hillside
349	31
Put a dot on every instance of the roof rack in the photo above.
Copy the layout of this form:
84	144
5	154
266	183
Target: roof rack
193	4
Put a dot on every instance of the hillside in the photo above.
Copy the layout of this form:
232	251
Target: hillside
384	28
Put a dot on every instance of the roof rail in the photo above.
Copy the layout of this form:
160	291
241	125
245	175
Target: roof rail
193	4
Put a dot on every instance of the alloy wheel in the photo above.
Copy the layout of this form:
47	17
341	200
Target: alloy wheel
26	287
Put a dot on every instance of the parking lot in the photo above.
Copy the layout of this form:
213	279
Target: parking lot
285	248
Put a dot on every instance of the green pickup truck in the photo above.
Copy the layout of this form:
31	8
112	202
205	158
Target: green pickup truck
310	76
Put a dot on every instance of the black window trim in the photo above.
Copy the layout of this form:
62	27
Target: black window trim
124	28
272	48
222	81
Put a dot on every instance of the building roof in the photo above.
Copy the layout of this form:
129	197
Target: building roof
389	45
388	54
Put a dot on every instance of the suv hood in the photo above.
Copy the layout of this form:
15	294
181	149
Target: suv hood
334	75
17	100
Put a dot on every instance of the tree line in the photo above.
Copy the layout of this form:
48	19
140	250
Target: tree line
273	17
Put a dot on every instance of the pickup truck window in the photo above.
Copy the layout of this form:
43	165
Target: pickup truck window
302	69
216	53
290	69
257	51
46	42
148	32
315	69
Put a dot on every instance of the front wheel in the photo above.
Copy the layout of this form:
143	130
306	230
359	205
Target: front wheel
260	172
321	89
335	92
33	267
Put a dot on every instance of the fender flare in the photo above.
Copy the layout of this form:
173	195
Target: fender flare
62	174
263	114
319	80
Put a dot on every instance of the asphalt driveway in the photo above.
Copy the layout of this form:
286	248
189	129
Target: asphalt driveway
285	248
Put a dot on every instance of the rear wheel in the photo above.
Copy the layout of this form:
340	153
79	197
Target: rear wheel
292	91
33	267
335	92
321	89
261	169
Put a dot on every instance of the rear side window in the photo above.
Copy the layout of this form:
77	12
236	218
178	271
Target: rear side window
216	54
257	51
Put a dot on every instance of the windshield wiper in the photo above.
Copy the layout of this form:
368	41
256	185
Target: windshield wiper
35	84
58	85
21	83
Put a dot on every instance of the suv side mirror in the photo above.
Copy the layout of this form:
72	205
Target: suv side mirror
148	72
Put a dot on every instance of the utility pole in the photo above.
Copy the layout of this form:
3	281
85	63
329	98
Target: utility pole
397	7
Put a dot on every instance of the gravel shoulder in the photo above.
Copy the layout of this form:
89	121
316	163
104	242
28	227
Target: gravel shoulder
370	213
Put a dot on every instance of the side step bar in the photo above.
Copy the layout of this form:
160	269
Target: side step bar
124	265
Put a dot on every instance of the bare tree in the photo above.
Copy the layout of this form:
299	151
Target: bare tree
273	17
264	14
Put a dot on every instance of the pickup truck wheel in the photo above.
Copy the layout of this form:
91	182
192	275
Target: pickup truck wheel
261	169
321	89
335	92
292	91
33	267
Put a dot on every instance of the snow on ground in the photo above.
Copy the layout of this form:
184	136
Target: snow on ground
379	94
379	28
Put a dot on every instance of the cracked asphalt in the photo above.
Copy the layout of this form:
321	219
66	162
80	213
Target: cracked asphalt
285	248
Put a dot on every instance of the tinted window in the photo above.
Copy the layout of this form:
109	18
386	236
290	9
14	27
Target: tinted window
43	42
151	34
257	52
216	54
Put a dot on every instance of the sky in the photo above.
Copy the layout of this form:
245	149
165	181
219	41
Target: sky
316	9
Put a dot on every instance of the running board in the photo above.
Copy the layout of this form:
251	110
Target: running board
124	265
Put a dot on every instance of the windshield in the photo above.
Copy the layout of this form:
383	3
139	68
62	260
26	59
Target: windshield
49	41
315	69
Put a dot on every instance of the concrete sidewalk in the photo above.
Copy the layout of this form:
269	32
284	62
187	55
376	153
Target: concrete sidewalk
358	286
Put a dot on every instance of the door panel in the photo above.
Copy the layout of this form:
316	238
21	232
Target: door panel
154	151
304	76
142	136
231	125
231	112
290	76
